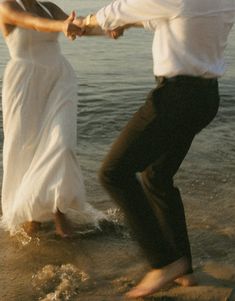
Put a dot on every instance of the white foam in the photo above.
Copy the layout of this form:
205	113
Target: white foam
59	283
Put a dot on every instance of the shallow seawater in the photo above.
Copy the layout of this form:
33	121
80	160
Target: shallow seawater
113	80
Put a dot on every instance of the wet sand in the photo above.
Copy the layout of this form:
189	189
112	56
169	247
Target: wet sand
103	265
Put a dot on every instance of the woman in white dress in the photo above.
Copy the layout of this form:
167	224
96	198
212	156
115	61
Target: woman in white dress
42	179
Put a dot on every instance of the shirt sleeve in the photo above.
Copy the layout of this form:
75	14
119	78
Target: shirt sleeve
122	12
150	25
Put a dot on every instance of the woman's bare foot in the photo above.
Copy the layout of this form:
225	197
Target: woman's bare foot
31	228
156	279
62	225
186	280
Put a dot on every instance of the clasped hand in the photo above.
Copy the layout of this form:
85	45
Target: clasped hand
71	29
76	26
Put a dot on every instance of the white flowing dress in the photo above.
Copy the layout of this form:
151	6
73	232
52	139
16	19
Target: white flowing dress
41	172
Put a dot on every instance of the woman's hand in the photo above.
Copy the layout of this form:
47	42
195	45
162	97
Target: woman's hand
70	29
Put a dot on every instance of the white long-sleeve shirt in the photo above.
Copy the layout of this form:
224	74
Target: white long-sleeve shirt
190	36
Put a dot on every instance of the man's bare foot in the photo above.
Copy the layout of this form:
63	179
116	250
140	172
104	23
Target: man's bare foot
156	279
31	228
62	225
186	280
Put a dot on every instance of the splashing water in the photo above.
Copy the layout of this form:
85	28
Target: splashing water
59	283
115	218
24	239
113	214
113	224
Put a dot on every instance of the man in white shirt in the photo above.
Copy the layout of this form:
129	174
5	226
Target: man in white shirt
188	53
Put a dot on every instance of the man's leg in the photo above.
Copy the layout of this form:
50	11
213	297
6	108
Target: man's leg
157	181
165	198
155	142
142	143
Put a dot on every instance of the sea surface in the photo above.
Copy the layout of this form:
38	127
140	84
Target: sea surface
113	79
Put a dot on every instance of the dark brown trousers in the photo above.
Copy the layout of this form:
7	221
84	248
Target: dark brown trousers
139	169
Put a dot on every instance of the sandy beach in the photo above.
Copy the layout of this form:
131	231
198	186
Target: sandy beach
102	265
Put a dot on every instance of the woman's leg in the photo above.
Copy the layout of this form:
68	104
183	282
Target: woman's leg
31	228
62	225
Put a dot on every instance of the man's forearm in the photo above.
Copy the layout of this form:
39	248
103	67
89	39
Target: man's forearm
122	12
92	23
91	27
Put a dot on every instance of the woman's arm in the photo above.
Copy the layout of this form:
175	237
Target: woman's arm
59	14
12	14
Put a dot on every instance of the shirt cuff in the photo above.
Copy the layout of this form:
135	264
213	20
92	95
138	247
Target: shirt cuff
101	18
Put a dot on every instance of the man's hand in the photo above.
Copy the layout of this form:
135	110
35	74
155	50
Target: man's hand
81	23
70	28
116	33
